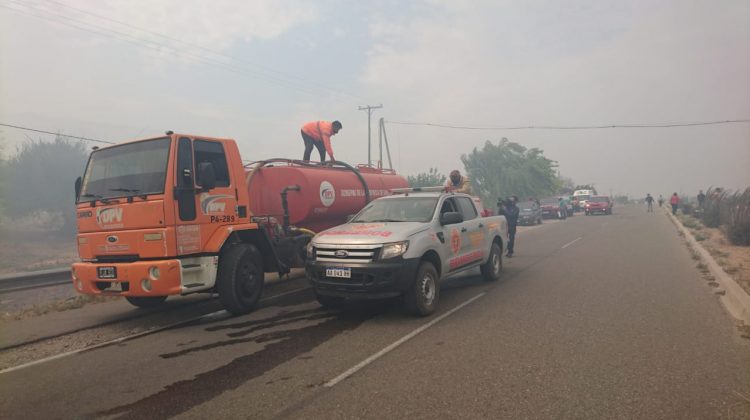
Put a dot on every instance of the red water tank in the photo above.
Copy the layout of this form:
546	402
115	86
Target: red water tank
327	195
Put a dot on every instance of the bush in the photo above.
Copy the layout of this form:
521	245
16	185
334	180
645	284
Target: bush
712	207
738	223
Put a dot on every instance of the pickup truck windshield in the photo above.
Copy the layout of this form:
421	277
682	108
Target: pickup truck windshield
130	169
598	199
402	209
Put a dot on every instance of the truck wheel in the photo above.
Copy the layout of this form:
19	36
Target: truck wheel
239	280
330	302
146	302
422	298
494	265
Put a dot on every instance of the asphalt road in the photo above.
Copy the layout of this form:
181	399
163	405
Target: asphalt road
595	317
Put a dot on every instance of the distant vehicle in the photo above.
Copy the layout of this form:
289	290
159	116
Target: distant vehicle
551	209
599	204
529	213
582	196
404	245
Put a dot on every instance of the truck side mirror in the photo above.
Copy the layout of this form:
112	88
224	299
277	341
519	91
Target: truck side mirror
451	218
206	176
79	183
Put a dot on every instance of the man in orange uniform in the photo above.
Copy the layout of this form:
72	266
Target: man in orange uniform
318	134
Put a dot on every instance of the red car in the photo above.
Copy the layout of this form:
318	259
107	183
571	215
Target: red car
598	204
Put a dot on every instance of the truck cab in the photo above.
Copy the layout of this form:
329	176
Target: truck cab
153	216
403	245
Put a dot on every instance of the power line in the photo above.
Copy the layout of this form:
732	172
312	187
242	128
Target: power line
65	20
55	134
570	127
200	47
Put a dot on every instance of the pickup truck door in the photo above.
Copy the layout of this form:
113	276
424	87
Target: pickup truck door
457	246
476	230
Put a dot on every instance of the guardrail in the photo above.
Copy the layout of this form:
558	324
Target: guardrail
34	280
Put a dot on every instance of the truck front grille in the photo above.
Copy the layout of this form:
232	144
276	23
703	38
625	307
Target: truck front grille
347	253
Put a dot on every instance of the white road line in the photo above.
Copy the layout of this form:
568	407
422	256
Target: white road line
572	242
211	316
397	343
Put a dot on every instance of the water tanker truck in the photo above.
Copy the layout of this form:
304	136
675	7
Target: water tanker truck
182	214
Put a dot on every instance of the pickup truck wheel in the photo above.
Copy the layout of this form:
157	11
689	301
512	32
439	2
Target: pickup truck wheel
422	298
330	302
494	265
146	302
239	280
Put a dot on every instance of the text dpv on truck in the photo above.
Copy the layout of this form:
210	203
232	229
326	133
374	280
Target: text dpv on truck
181	214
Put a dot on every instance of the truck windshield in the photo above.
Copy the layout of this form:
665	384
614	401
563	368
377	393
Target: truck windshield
130	169
403	209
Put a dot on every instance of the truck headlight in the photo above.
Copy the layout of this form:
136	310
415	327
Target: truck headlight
310	250
394	249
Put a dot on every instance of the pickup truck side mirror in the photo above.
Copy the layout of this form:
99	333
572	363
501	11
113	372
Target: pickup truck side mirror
451	218
79	183
206	176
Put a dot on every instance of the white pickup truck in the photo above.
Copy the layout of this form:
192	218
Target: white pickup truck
405	244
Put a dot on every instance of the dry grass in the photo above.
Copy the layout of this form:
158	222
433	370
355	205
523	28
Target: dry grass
35	251
75	302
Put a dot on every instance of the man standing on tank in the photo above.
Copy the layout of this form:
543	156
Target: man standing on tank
318	134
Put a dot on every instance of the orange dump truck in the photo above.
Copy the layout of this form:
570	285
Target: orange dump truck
182	214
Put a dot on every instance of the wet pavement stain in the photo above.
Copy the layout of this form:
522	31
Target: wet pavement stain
181	396
262	338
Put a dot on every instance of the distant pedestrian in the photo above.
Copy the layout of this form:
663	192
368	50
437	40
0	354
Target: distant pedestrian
511	215
650	202
661	200
674	201
701	199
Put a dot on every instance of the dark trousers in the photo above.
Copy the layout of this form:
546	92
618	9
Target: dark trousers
309	144
674	208
511	239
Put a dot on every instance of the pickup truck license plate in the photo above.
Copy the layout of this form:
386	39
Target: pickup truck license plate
106	272
339	272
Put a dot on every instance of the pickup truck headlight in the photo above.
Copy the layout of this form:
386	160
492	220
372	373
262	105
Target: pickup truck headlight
394	249
310	250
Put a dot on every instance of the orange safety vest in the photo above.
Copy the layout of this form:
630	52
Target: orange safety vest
320	131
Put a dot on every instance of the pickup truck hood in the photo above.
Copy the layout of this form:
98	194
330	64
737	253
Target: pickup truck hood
369	233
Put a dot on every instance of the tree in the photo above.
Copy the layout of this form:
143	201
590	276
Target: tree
508	168
430	179
41	176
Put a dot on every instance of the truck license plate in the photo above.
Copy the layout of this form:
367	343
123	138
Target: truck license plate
339	272
106	272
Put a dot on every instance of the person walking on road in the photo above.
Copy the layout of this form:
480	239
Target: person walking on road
661	200
674	201
650	202
318	134
701	199
511	215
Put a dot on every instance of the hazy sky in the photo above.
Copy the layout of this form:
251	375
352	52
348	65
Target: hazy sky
257	70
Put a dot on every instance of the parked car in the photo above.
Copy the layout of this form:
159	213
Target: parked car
405	245
598	204
529	213
551	209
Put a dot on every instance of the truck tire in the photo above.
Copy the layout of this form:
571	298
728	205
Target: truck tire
146	302
239	280
494	266
330	302
422	297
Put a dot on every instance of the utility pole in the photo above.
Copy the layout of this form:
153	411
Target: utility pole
369	109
